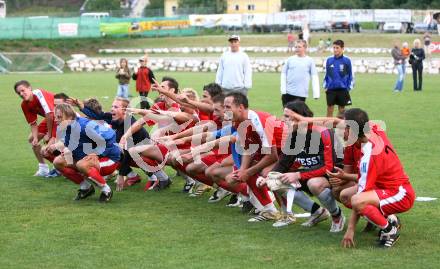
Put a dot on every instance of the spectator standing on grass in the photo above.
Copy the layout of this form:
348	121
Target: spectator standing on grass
290	41
234	73
427	43
416	60
399	62
296	75
339	79
144	77
123	77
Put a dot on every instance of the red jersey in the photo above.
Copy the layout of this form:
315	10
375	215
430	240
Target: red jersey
144	79
210	116
41	104
163	106
352	156
379	166
261	129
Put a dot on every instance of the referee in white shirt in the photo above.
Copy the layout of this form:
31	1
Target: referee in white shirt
296	75
234	73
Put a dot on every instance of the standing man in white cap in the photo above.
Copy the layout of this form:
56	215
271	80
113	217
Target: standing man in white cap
234	73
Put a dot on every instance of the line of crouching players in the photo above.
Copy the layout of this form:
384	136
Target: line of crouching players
218	142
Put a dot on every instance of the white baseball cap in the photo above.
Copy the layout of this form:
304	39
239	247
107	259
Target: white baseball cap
234	37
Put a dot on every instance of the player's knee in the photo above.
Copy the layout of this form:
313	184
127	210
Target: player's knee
357	203
315	187
59	163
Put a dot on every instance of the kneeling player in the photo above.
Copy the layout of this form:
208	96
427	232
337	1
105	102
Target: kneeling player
315	157
79	159
384	188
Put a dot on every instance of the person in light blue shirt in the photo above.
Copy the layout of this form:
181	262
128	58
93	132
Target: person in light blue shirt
296	75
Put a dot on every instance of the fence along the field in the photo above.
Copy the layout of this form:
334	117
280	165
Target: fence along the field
84	27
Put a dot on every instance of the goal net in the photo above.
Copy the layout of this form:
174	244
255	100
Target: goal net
30	62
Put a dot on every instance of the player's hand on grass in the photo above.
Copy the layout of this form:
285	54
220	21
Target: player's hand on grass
348	240
290	178
120	181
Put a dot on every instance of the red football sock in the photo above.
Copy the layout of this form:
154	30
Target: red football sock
96	176
204	179
235	188
374	215
72	175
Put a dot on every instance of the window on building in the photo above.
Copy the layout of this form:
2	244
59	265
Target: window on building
174	9
237	7
251	7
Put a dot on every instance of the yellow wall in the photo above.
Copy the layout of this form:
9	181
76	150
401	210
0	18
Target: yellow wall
168	5
261	6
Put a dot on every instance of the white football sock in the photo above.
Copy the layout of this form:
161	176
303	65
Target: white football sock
85	185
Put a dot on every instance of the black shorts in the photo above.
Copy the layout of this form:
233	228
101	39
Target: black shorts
339	97
286	98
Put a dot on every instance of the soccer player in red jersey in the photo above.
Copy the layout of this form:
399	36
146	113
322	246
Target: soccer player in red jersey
37	102
383	188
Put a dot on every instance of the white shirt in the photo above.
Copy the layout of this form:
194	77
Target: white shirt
296	75
234	71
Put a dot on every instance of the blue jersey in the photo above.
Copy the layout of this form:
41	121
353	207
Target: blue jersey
338	74
230	130
84	137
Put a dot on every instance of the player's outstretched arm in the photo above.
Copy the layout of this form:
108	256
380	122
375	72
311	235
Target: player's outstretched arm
348	240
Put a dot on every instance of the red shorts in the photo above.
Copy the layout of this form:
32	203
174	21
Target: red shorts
394	201
214	158
42	128
107	166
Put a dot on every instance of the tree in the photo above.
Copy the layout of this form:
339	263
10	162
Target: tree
103	5
156	4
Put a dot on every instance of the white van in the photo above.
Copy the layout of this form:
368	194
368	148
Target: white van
96	15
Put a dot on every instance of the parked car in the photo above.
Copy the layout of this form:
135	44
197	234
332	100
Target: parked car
96	15
393	27
345	26
320	26
423	27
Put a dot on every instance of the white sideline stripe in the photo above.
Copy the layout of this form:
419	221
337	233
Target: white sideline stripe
425	199
106	163
394	199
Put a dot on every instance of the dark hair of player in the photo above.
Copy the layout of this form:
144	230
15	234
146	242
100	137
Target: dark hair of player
93	105
213	89
339	43
239	99
61	95
361	118
172	83
219	98
20	83
299	107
